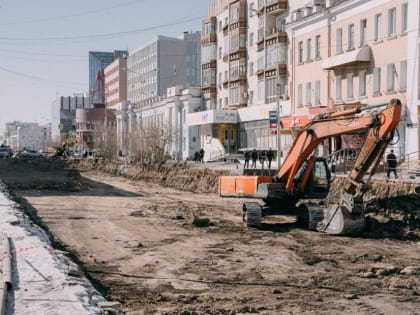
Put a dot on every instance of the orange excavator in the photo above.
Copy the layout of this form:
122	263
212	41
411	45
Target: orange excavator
303	176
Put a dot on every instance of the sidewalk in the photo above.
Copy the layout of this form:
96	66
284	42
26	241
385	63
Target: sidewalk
41	283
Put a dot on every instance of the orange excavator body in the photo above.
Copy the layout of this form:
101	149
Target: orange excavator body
295	178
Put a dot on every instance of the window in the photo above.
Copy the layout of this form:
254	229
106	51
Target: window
349	85
251	68
390	77
404	17
226	101
318	46
234	13
251	39
251	9
377	81
261	90
234	95
300	52
251	97
226	75
351	37
308	94
220	53
308	49
338	87
317	92
392	25
220	79
300	98
363	32
362	83
270	89
378	25
339	41
403	75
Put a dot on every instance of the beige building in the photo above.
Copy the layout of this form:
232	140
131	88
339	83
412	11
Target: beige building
116	83
347	53
304	57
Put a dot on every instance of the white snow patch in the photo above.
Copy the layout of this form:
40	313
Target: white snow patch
41	280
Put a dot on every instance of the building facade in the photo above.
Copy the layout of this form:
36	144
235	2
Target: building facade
244	72
98	61
165	117
350	53
162	63
115	83
63	115
95	127
26	135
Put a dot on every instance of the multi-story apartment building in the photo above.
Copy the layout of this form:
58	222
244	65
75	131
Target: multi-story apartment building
162	63
307	57
346	53
244	63
98	60
116	83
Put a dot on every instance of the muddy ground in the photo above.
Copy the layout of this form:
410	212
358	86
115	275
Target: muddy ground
137	241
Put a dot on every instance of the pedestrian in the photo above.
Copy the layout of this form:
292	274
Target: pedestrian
197	157
391	161
270	157
254	157
247	156
262	158
202	155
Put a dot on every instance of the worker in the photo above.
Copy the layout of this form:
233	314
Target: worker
247	156
254	157
270	156
202	155
391	161
262	158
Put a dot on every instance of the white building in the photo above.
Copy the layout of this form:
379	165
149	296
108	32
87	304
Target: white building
167	114
162	63
19	135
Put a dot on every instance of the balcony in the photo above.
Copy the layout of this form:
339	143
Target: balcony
275	7
207	39
276	36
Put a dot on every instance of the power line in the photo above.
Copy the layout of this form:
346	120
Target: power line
104	35
61	17
40	53
40	79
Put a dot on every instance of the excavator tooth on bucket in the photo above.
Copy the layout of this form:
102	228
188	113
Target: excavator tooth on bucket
341	222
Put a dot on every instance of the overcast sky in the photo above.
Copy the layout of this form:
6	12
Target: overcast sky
44	44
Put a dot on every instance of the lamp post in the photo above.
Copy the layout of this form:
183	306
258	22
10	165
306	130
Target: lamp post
278	124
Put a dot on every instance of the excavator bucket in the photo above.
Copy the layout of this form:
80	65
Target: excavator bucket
340	222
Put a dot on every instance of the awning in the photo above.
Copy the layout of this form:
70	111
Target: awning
348	58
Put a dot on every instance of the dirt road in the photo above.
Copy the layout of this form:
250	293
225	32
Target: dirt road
138	240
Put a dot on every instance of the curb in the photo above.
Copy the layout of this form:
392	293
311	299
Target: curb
6	275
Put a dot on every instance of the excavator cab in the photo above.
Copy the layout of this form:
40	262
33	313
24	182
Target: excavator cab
317	184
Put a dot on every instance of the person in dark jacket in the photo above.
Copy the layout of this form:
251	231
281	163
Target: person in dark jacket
202	155
254	157
391	161
270	156
247	156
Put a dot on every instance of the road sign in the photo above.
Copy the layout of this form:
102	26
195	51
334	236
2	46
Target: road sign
273	119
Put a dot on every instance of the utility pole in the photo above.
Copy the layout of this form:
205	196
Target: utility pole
278	122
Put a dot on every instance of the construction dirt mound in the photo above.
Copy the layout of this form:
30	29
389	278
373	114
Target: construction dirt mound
40	174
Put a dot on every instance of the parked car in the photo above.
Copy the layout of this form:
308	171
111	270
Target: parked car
30	154
5	152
